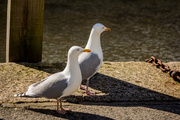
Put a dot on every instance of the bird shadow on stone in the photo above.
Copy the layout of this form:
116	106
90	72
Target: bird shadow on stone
115	90
70	115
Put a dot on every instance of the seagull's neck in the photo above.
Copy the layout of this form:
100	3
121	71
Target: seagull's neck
72	64
94	43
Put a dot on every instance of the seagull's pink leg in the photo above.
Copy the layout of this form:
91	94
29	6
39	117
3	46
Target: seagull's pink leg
63	110
88	92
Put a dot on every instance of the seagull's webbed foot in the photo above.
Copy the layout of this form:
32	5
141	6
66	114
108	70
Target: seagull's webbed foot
91	93
82	87
88	92
63	110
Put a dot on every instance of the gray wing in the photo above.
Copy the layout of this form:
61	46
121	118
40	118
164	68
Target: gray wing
88	64
50	87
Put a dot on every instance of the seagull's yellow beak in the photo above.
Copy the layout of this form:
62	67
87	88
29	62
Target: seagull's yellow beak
107	29
86	50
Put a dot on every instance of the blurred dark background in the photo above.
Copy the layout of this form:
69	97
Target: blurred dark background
140	28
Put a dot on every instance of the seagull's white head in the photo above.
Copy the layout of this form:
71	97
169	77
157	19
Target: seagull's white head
98	27
76	50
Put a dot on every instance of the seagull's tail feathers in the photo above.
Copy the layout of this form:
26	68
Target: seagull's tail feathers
21	95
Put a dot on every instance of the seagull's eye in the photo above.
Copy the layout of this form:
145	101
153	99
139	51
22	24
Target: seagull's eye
102	27
78	49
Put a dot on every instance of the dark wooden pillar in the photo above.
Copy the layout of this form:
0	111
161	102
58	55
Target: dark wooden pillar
26	30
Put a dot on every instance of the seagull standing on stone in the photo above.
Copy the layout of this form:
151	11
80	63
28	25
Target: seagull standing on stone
91	63
60	84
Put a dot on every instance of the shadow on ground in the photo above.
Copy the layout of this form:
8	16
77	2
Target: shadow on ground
70	115
130	95
119	90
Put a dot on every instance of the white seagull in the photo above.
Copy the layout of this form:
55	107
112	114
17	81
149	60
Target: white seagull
60	84
90	63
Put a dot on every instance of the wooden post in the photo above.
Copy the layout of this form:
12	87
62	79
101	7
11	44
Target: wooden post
8	30
26	30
